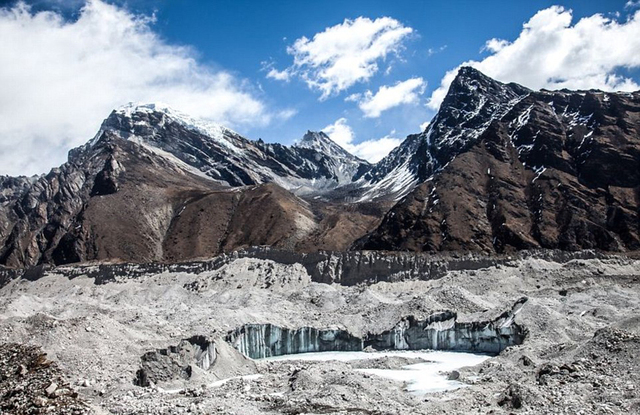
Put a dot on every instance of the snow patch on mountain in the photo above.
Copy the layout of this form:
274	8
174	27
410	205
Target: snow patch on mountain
473	102
212	130
316	164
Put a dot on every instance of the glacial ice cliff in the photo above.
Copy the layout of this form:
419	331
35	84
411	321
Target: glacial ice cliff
439	331
266	340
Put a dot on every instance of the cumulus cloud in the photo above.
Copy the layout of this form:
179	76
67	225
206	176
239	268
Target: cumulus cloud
344	54
59	79
341	133
376	149
552	53
371	150
387	97
286	114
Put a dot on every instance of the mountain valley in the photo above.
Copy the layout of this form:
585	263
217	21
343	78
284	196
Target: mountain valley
161	268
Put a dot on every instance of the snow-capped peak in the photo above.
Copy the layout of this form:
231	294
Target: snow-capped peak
320	142
210	129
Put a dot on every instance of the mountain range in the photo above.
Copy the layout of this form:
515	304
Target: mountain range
499	168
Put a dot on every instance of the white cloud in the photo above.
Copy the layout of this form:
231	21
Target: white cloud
279	75
371	150
495	45
59	79
433	51
387	97
286	114
376	149
353	98
424	125
341	133
632	4
552	53
344	54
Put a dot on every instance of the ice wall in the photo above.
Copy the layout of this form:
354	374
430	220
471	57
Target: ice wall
439	331
265	340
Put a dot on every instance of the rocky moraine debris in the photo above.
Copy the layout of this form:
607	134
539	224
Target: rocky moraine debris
32	384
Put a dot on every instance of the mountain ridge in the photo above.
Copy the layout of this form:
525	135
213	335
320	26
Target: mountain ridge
499	168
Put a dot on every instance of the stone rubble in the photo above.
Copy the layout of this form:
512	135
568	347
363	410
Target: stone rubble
580	355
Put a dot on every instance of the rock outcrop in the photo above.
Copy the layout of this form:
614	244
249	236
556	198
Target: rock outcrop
176	362
32	384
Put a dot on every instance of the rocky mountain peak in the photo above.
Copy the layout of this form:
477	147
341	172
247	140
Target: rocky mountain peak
203	148
471	92
471	81
311	137
148	120
322	143
472	103
468	73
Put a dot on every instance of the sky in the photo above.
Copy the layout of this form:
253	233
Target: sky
368	73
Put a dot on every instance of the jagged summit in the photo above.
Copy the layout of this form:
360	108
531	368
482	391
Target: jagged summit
470	76
471	73
212	150
140	118
314	138
208	128
322	143
472	103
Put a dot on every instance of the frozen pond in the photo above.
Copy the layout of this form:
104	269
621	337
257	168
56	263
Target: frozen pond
420	377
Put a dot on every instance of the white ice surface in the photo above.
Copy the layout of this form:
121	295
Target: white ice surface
420	378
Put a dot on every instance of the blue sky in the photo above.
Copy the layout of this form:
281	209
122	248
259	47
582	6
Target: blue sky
218	55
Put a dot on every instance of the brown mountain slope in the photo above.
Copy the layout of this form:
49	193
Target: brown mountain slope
560	170
120	201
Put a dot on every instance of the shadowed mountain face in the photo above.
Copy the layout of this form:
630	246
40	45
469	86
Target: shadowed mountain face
499	168
122	201
558	170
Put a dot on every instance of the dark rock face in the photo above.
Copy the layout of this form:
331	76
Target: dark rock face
106	182
439	331
7	275
38	217
176	362
558	170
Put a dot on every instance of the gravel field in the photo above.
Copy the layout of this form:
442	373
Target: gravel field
580	355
